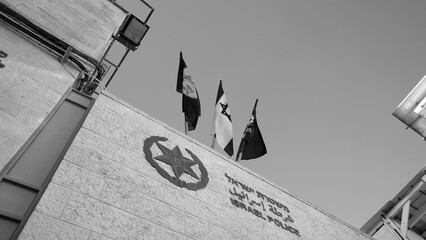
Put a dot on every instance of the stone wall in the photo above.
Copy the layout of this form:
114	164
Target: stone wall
31	84
86	25
107	188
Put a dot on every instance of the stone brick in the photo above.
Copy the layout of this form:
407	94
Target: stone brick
115	134
53	200
10	106
267	236
336	229
112	170
130	142
107	114
103	166
30	119
78	179
199	229
52	95
102	128
138	163
140	125
178	198
77	154
31	58
166	234
95	142
12	42
95	236
240	227
303	222
131	159
44	227
9	145
226	215
58	81
107	102
142	183
30	93
105	219
221	190
143	206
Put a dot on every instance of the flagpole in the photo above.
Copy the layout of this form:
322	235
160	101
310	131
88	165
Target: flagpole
214	137
243	143
239	154
255	105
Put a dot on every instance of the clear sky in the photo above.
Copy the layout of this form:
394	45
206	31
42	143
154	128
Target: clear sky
328	75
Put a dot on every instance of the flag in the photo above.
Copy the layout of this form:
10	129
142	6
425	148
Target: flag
222	123
252	145
190	101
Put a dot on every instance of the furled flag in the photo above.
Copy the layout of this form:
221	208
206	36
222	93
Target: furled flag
252	145
190	100
222	124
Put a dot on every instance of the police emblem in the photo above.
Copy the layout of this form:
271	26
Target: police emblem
178	163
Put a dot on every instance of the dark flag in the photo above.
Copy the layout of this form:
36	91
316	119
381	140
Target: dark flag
252	145
222	124
190	101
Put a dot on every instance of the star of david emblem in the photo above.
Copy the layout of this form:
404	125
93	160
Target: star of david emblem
224	108
175	159
178	163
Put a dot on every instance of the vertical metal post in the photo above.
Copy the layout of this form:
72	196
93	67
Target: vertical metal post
404	218
240	153
214	137
119	64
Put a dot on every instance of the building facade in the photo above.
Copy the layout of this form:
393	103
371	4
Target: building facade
80	166
403	217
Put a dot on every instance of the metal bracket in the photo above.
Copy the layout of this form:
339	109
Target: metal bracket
66	55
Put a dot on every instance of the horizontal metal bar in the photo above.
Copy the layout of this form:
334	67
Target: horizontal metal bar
147	4
21	183
398	206
108	61
10	216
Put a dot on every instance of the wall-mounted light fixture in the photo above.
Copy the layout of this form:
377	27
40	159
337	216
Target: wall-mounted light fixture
131	32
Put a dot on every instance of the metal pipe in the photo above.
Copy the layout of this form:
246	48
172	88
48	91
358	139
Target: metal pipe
59	46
